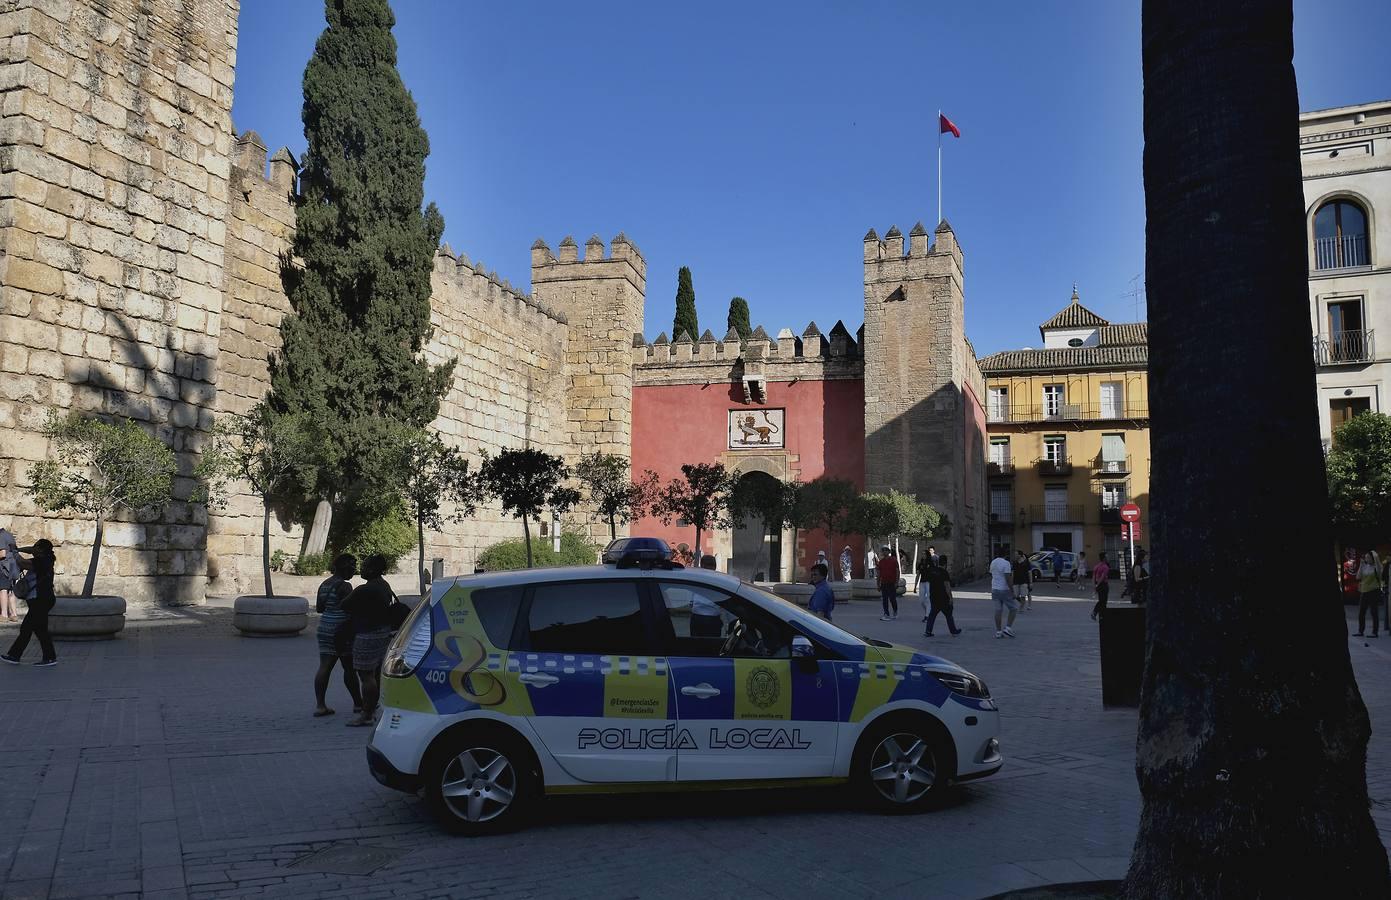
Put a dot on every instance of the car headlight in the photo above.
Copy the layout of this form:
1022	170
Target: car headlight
963	683
411	642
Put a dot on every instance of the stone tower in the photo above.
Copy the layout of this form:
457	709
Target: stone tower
602	299
924	424
116	154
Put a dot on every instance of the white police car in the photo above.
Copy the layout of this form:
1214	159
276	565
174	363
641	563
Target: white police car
507	687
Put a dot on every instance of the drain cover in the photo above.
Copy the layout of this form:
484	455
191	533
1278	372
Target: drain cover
348	859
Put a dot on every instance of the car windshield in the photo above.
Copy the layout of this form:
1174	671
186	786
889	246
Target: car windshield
804	620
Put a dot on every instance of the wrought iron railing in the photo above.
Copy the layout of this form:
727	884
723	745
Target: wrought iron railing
1055	512
1055	467
1342	347
1103	465
999	468
1023	413
1340	252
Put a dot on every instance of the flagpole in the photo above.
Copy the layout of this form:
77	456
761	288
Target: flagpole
939	169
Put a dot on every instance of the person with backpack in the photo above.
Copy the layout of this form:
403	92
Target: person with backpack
41	599
335	635
934	588
1369	585
372	610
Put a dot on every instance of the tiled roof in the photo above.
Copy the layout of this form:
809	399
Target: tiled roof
1128	334
1075	315
1062	359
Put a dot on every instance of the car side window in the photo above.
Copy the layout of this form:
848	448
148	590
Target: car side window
497	612
705	620
587	617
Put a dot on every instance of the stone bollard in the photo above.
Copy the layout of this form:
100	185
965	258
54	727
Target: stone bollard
270	616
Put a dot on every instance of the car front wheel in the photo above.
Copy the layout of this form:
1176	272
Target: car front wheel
481	782
902	765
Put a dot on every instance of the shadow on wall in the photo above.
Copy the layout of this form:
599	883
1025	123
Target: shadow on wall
925	451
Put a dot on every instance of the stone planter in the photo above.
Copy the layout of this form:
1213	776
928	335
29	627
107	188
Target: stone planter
256	616
864	589
87	618
842	591
799	594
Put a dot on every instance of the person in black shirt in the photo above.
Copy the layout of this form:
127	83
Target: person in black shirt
335	635
1023	581
41	603
370	616
938	582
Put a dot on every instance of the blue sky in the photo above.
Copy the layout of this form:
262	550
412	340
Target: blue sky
757	142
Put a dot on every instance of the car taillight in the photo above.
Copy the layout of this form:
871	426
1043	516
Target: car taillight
411	643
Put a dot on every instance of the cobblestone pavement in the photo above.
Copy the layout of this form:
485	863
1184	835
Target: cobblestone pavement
181	761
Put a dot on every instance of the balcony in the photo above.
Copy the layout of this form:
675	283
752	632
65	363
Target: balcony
1025	414
1344	347
1001	521
1110	515
994	469
1103	466
1055	513
1340	252
1054	468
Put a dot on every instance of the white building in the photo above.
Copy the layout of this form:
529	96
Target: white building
1346	157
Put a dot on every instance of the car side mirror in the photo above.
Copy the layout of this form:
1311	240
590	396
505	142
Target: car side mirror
802	648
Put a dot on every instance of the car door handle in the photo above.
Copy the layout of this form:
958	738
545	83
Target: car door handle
703	691
540	679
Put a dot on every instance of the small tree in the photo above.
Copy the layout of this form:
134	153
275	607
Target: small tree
526	482
825	503
265	451
99	468
874	515
616	497
738	318
1359	478
700	496
771	500
436	474
916	520
685	320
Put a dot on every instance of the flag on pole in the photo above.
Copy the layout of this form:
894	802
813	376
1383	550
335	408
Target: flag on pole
945	125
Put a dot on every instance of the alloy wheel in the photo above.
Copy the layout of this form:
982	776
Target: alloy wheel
902	768
479	784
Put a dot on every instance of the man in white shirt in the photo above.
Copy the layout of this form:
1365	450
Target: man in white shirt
871	564
1002	592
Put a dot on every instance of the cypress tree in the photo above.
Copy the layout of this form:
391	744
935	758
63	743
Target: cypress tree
738	318
685	307
351	352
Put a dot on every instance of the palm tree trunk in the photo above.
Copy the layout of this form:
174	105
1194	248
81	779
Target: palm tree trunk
91	580
1251	755
265	544
526	535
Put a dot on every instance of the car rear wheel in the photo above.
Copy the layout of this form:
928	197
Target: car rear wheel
481	782
902	765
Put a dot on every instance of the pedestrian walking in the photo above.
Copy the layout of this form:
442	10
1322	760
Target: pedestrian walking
1101	583
9	575
934	589
1001	591
1140	578
847	561
871	564
888	583
335	635
1057	560
823	599
41	600
1083	571
1369	585
373	620
1023	581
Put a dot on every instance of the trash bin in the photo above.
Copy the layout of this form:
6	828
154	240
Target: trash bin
1122	655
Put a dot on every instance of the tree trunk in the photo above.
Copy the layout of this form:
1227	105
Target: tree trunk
613	528
265	544
696	549
91	579
420	536
1251	755
526	535
317	541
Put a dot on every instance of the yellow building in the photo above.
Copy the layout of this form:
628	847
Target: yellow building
1069	437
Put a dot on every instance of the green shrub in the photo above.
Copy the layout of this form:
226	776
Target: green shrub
278	560
575	550
312	564
389	533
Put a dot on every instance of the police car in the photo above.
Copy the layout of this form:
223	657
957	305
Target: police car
640	675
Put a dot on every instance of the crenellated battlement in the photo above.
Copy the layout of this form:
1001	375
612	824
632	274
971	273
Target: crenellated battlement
621	253
249	166
786	357
474	279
